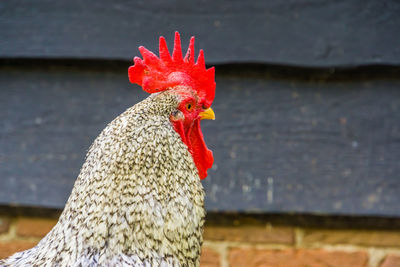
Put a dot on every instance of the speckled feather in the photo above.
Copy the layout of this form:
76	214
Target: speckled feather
137	201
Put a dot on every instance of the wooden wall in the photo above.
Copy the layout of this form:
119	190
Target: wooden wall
307	102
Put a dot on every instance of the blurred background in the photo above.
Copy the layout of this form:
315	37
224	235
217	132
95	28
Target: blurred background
307	136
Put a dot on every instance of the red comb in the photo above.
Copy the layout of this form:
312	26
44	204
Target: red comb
159	74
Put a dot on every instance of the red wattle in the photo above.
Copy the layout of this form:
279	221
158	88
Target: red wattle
202	156
193	138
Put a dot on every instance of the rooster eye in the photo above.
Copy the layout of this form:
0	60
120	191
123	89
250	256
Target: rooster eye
189	106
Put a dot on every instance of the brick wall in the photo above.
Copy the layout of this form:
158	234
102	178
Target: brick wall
252	246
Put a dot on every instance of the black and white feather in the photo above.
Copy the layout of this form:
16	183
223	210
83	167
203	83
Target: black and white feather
137	201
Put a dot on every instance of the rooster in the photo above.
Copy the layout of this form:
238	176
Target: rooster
138	199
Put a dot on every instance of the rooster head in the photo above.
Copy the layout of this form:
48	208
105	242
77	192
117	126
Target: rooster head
195	86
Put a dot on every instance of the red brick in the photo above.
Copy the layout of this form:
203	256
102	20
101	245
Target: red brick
365	238
391	261
4	224
9	248
209	258
295	258
34	227
255	234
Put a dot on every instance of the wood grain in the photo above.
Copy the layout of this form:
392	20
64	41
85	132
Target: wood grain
280	145
302	33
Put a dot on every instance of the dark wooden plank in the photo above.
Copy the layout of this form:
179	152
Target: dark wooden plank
280	145
285	32
254	219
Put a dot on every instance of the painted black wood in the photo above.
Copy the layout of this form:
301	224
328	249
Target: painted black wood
284	32
281	144
256	219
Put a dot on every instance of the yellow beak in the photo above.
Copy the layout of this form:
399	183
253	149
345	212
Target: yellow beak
207	114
